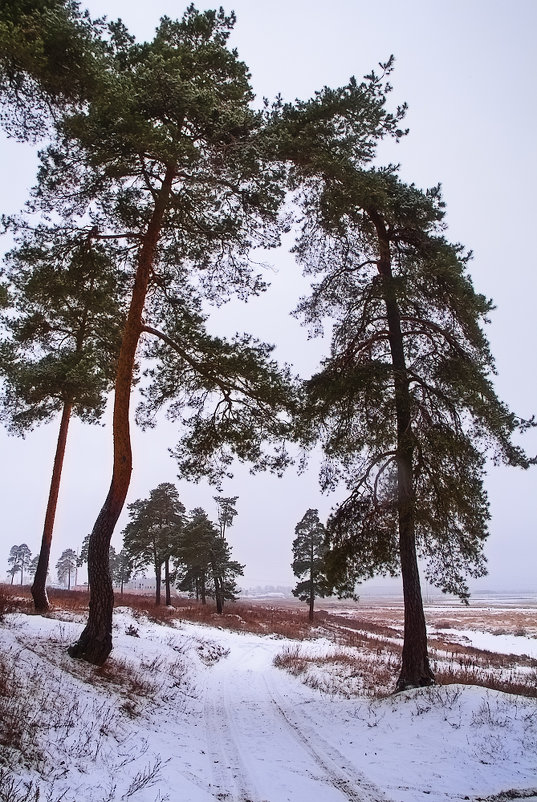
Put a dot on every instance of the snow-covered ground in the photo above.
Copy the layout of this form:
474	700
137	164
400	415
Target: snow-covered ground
504	644
190	713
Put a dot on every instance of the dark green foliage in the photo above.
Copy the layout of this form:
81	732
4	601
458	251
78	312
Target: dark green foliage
193	555
49	55
83	556
204	563
336	130
446	367
180	106
152	535
62	327
230	397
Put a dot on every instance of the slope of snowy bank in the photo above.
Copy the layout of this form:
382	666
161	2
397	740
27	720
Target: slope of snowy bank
192	714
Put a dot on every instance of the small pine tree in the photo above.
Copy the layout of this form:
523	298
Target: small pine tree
19	559
226	512
32	567
66	566
151	535
308	553
204	564
121	567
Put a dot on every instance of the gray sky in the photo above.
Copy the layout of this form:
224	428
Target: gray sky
467	70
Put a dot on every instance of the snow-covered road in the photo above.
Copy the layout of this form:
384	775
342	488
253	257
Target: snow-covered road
191	713
261	741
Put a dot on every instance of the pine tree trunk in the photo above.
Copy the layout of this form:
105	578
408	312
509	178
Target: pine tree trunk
167	581
158	581
95	642
39	586
415	669
312	592
218	592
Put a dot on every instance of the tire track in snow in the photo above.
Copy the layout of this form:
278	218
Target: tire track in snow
231	780
249	743
354	785
247	720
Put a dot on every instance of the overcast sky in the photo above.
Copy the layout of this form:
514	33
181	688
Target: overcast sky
467	71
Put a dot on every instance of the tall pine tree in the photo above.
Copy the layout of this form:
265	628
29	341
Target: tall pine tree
60	344
404	404
165	160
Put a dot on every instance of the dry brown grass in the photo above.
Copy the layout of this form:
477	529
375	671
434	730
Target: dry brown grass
14	598
499	621
372	633
237	616
376	649
515	683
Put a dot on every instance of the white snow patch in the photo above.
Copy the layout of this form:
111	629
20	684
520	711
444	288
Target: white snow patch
503	644
190	713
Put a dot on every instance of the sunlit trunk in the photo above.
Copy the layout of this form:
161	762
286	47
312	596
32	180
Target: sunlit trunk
95	642
39	586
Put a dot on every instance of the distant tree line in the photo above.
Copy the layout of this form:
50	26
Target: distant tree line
188	548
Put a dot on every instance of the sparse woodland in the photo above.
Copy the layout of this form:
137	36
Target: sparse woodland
159	178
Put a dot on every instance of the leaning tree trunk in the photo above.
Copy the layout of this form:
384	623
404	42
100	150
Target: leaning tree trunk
95	642
415	668
39	586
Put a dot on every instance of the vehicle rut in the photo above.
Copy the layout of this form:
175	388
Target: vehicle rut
355	786
255	741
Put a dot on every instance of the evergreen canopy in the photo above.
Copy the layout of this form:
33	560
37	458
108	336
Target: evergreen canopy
445	376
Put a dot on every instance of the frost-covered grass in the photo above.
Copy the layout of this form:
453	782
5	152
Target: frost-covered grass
190	707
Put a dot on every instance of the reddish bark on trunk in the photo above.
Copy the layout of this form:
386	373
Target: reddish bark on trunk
39	586
95	642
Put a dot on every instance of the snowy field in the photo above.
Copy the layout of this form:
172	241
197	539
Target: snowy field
191	713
